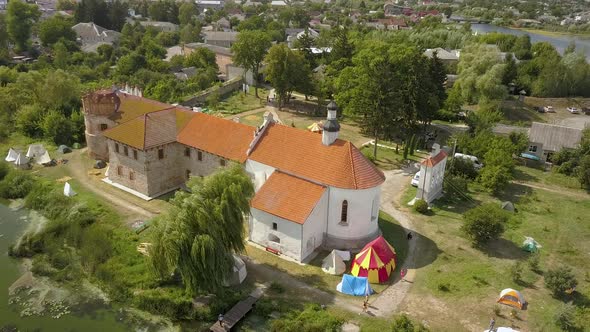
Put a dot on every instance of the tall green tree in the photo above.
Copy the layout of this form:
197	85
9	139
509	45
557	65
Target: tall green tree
3	39
54	28
20	18
187	13
249	51
285	70
199	234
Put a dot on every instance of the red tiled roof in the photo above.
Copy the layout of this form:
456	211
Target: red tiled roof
133	106
151	129
432	161
302	153
288	197
222	137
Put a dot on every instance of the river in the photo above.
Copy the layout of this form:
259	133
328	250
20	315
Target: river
560	42
99	318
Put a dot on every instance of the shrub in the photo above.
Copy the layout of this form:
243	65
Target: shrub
421	206
444	287
171	302
313	318
463	168
534	262
404	324
4	170
494	178
484	223
276	287
16	184
456	185
566	319
559	280
516	272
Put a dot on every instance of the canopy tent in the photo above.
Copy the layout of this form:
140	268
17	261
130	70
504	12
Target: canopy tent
44	158
239	273
21	161
508	206
357	286
511	298
376	261
68	191
11	156
35	150
529	244
333	264
314	128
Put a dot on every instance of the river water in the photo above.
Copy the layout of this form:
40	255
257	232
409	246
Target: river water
99	319
560	42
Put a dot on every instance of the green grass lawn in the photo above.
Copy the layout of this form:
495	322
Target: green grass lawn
464	282
389	159
312	273
239	102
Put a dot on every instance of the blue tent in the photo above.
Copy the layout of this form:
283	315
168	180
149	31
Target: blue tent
530	156
357	286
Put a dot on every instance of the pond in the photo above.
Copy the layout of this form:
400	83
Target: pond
92	317
559	41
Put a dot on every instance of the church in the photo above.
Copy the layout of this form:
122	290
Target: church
312	189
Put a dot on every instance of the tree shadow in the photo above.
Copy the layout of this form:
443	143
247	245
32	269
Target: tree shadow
455	205
523	176
502	248
514	192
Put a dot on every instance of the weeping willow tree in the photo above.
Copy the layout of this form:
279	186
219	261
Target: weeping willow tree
198	235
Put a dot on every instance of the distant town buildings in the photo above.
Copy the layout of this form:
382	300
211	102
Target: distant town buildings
91	36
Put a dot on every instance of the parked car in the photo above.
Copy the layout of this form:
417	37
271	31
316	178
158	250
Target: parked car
476	163
573	110
548	109
416	179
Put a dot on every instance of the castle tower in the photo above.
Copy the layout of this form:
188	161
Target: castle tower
331	125
98	107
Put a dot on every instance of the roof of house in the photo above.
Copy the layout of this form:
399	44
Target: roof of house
133	106
441	53
302	153
288	197
434	160
91	30
220	35
151	129
159	24
224	138
214	48
554	137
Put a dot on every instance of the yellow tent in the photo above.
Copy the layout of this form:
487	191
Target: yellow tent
314	128
512	298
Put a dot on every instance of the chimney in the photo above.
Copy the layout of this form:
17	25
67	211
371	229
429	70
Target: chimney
331	125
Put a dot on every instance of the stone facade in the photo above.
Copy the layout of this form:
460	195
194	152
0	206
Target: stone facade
98	107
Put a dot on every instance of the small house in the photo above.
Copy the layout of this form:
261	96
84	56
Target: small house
546	139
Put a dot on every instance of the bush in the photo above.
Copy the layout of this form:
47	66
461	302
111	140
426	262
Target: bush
516	272
16	184
276	287
463	168
456	185
484	223
565	318
444	287
559	280
494	178
404	324
421	206
4	170
534	262
171	302
312	319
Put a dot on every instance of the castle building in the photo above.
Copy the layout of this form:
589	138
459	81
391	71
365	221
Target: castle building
312	190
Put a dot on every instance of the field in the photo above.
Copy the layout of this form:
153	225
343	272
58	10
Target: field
458	290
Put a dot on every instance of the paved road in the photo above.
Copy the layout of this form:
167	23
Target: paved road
498	129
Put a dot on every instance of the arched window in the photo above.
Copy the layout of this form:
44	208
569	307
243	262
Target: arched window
344	212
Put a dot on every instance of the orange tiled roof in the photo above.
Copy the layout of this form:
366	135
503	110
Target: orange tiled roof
288	197
432	161
302	153
151	129
133	106
222	137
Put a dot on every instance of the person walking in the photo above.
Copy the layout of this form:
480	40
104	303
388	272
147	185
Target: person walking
220	319
410	236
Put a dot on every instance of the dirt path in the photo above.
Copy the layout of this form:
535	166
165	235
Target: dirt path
79	171
387	302
575	194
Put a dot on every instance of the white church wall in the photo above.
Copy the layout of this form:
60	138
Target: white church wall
315	227
362	218
260	171
288	232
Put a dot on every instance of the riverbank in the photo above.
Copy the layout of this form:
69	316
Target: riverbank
550	33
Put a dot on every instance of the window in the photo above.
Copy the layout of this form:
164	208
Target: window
160	153
199	156
119	170
131	175
532	148
188	174
344	212
375	210
187	152
116	148
135	154
274	226
103	126
222	162
125	151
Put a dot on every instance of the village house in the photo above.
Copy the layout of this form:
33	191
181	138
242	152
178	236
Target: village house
312	189
220	38
546	139
160	26
223	55
91	36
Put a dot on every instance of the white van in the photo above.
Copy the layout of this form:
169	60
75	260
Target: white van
471	158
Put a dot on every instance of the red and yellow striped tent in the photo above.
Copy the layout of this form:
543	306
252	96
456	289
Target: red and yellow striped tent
376	261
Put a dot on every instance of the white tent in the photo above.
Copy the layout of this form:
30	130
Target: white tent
239	273
44	158
35	150
21	161
68	191
333	264
12	155
345	254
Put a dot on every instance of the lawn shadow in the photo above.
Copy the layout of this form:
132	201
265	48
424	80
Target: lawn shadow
502	248
456	205
514	192
523	176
